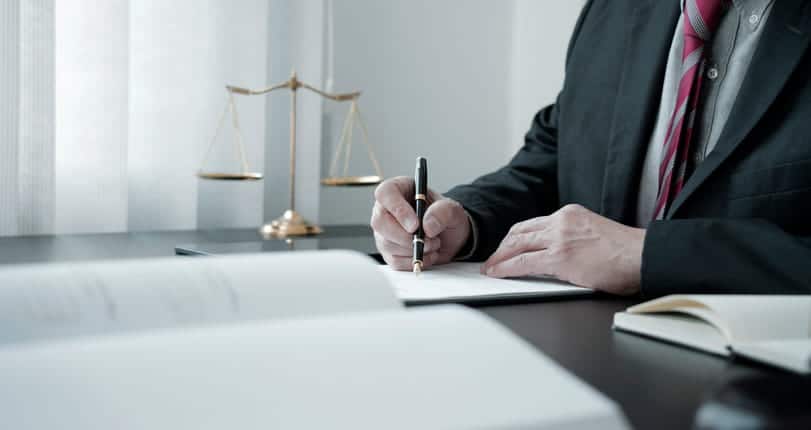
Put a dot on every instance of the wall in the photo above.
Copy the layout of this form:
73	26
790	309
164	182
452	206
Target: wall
456	81
540	38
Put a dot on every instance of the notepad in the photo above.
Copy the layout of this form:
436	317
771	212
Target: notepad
463	283
772	329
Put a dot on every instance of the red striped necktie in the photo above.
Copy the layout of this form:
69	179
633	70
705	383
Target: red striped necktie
700	19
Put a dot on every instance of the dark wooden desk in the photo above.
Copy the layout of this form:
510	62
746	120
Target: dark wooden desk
658	385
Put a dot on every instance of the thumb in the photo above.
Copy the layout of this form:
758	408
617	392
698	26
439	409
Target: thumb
442	215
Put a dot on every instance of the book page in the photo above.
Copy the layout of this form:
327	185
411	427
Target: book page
742	317
60	300
462	282
676	328
790	354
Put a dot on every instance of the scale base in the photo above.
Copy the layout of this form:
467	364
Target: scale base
291	223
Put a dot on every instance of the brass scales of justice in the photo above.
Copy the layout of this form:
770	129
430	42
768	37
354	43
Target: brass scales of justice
291	223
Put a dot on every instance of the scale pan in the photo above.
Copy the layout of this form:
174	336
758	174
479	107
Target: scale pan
352	181
245	176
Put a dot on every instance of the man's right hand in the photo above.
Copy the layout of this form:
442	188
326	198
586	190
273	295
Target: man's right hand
394	221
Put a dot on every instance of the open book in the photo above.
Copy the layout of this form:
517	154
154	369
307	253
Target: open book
307	340
773	329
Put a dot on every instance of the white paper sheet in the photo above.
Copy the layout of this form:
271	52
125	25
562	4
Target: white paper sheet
462	282
790	354
41	301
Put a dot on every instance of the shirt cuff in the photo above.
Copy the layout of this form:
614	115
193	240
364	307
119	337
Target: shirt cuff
472	243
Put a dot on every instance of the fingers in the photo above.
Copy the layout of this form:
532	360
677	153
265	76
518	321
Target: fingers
392	195
388	247
384	224
442	215
526	264
529	225
394	222
406	263
516	244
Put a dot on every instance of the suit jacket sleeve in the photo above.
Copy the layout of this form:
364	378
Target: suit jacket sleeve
524	188
743	256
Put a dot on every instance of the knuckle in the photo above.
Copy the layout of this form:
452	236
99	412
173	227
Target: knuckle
375	222
384	247
389	187
380	190
452	204
517	226
570	210
534	237
566	218
380	242
515	241
440	210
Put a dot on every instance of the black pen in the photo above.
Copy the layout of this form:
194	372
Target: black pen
420	205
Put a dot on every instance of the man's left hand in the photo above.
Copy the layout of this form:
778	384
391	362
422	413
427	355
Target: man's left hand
573	245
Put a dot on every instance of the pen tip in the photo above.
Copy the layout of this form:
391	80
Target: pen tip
417	268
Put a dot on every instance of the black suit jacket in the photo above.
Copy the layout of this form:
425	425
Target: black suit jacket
742	223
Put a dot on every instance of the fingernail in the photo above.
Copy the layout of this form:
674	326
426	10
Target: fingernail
411	224
489	271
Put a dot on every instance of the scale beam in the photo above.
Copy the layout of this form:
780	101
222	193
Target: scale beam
292	223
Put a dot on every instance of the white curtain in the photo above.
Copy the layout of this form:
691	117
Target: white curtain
26	117
107	106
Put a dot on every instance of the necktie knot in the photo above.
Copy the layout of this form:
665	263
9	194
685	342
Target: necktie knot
702	17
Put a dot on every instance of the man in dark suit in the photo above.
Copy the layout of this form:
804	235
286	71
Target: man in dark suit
677	158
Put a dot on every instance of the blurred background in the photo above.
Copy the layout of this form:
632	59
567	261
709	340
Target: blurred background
108	105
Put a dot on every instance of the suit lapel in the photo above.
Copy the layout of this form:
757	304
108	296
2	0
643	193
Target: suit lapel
780	49
650	33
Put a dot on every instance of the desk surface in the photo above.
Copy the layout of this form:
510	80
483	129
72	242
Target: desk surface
658	385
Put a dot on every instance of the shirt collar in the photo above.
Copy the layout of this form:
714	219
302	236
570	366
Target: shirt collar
744	6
